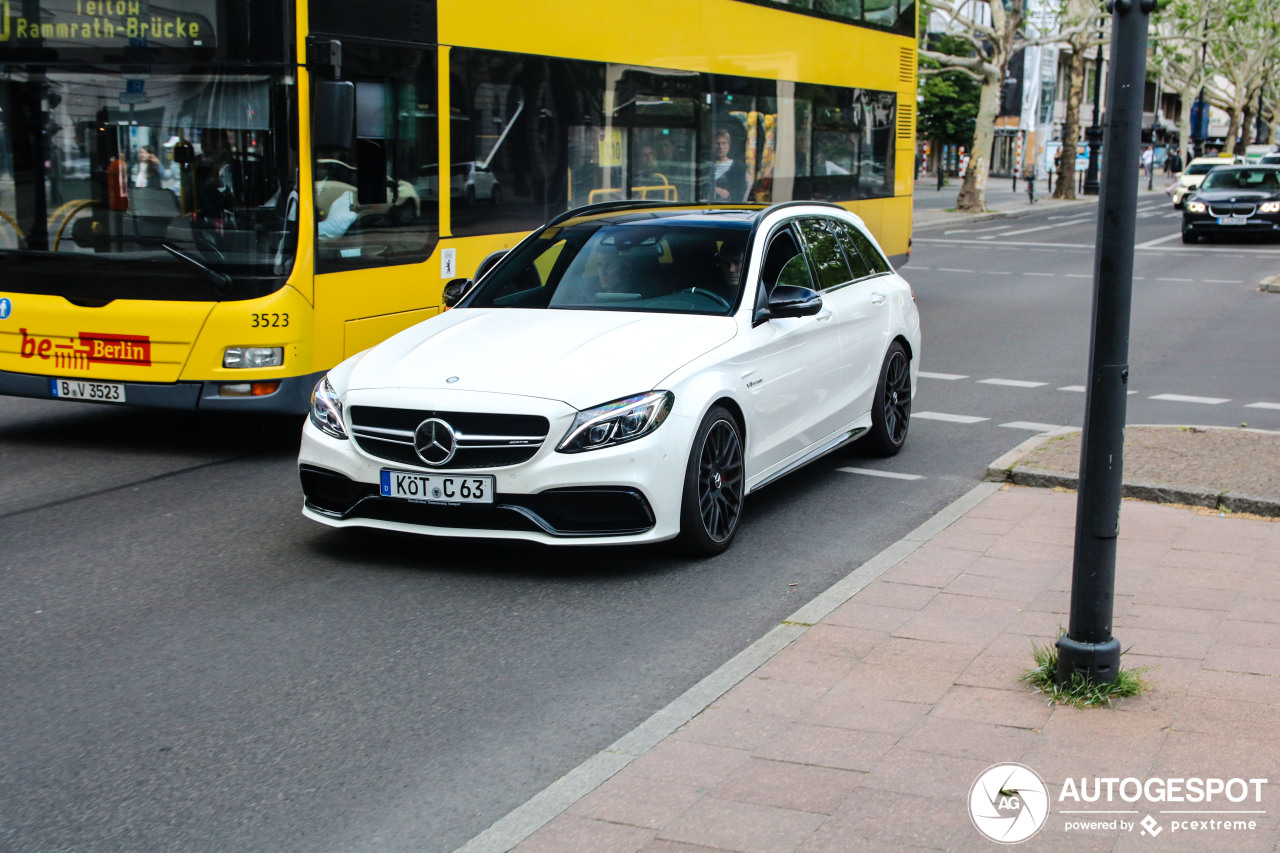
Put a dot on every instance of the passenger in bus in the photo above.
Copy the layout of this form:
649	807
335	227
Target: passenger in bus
150	171
730	174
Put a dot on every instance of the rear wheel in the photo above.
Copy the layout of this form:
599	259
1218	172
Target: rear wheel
713	486
891	409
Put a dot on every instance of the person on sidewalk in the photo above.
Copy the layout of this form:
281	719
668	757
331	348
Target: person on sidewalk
1030	178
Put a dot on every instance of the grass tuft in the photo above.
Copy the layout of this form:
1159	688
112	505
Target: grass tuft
1079	692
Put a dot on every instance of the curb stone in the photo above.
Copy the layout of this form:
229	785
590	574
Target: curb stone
1007	469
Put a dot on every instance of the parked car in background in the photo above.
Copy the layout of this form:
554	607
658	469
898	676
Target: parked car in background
1270	159
628	373
468	182
1194	173
1234	200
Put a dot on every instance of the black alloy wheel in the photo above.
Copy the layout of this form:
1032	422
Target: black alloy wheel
713	490
891	410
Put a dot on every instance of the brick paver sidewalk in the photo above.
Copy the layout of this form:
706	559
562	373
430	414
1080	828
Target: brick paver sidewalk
869	730
864	722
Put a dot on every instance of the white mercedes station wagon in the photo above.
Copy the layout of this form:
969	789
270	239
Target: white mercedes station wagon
628	373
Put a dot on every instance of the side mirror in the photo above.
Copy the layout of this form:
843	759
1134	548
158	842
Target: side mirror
789	300
454	291
333	118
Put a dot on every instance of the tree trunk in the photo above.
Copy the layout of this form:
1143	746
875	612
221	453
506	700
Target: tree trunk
1188	94
973	192
1233	129
1066	187
1246	127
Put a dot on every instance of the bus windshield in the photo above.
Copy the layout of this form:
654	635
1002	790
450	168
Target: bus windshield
169	184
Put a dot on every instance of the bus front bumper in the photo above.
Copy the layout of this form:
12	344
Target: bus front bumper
292	397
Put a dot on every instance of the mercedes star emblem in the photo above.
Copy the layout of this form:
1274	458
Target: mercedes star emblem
435	442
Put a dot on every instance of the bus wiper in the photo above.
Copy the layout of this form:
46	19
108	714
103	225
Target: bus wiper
221	281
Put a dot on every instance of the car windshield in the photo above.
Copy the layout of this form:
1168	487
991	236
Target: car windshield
1201	168
676	266
1242	179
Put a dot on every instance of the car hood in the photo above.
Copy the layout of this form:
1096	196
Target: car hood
582	358
1228	194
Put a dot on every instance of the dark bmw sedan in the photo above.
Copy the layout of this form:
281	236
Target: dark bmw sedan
1234	200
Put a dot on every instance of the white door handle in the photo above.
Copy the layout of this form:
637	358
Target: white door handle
823	316
877	299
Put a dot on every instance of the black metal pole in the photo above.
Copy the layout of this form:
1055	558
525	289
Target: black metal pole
1202	124
1088	646
1094	132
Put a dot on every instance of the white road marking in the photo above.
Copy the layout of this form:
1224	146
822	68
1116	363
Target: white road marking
1223	281
1042	274
942	416
947	376
1031	425
1013	383
1077	275
1175	279
1183	398
1014	244
1023	231
1079	388
889	474
948	269
1177	235
1263	406
978	230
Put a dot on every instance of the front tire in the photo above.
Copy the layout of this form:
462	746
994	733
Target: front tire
713	486
891	409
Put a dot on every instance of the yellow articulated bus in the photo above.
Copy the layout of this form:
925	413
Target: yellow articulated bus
209	203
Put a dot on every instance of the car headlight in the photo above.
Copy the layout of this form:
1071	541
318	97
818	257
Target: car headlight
617	422
1269	207
326	410
1196	207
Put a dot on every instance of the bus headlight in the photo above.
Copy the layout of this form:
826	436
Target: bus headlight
326	410
253	357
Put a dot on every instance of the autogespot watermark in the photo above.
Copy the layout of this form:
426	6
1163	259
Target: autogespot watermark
1009	803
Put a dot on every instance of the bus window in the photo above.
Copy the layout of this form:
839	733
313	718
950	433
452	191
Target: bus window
375	201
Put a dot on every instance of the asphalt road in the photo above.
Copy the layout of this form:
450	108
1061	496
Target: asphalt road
188	664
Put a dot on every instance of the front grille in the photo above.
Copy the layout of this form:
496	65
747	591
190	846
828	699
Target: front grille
485	440
1233	209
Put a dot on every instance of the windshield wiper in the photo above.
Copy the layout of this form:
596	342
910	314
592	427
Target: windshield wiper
221	281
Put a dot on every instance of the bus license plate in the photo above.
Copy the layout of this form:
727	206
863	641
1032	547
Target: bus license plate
434	488
1233	220
77	389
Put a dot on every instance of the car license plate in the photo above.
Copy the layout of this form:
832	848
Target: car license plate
77	389
1233	220
435	488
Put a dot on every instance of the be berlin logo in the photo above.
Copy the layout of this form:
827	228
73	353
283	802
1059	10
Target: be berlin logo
1009	803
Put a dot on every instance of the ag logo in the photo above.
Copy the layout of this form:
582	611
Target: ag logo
1008	803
